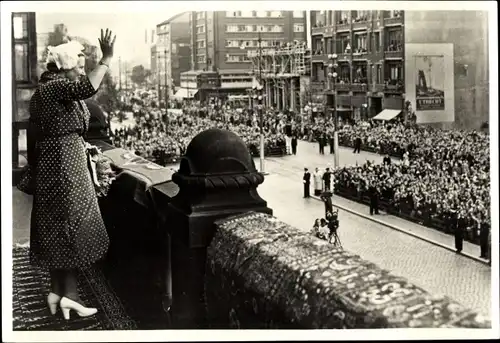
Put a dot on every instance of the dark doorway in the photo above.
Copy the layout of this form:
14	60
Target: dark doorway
376	106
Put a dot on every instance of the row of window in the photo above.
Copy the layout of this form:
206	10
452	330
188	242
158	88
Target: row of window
394	39
229	58
321	18
360	73
252	43
255	14
254	28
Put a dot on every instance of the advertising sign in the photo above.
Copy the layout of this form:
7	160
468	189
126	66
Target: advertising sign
429	83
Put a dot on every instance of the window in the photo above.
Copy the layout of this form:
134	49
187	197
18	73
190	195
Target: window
254	13
200	59
376	41
276	28
200	29
298	27
361	16
22	66
200	44
20	26
233	14
361	41
200	15
232	28
236	58
298	14
394	40
269	13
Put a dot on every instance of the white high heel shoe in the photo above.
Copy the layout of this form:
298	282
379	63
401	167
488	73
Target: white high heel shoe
52	301
67	305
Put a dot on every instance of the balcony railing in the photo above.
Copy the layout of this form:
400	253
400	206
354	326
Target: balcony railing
359	87
360	54
319	57
343	55
359	24
378	87
316	30
343	86
393	21
318	86
343	26
394	88
394	54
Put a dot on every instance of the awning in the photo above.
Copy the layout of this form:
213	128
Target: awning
184	93
387	114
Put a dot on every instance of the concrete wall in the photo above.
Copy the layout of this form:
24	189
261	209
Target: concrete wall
468	32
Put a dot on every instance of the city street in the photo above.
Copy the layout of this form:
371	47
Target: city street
434	268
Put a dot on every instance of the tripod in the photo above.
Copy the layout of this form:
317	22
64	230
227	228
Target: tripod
337	243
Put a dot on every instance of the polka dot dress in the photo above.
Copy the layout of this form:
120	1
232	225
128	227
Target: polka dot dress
67	229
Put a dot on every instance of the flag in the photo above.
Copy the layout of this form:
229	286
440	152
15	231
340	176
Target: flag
152	36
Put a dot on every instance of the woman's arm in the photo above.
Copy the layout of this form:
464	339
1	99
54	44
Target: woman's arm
88	85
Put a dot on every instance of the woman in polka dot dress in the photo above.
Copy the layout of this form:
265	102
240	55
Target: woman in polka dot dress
67	229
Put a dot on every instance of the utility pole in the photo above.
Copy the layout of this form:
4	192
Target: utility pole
261	114
120	72
332	76
166	83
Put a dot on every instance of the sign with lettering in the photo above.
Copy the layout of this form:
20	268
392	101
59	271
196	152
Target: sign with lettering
429	83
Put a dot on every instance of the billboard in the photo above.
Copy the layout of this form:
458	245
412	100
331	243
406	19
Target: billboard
429	83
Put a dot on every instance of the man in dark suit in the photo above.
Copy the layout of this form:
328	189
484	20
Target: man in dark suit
307	182
374	196
321	145
461	224
387	160
327	179
357	145
294	145
330	140
484	232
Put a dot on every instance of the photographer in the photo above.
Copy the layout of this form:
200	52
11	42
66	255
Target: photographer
333	225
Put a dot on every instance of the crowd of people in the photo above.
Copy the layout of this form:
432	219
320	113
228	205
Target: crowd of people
163	138
442	181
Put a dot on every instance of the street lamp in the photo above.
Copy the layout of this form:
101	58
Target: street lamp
166	83
332	78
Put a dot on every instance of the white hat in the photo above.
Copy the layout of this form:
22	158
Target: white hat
65	56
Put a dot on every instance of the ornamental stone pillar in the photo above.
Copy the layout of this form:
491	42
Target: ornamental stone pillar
217	178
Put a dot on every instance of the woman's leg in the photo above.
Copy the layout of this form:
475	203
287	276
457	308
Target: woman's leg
71	285
57	281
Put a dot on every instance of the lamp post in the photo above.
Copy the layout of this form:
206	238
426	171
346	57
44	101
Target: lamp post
261	114
166	83
332	78
120	72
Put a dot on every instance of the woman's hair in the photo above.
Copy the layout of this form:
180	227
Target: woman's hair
52	67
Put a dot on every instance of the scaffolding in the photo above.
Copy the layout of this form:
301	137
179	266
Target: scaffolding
281	69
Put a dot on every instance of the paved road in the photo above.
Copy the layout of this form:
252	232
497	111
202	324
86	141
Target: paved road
435	269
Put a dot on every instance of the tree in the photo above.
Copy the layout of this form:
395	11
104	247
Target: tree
139	74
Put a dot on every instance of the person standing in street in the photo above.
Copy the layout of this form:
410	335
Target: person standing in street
374	195
294	145
307	182
321	145
318	182
460	226
484	232
330	140
357	145
327	179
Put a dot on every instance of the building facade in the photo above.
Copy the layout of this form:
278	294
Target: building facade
357	61
172	53
221	41
365	62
